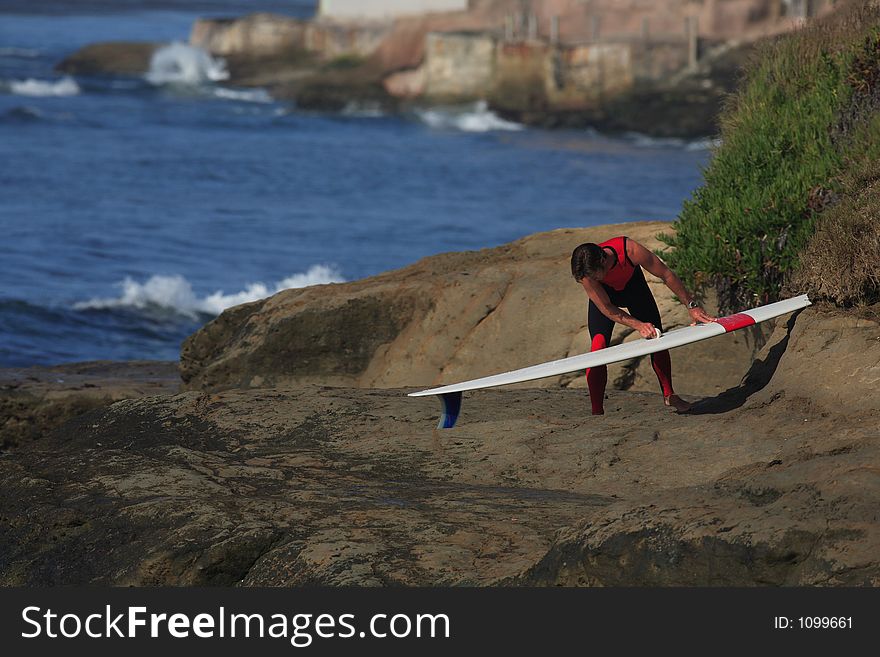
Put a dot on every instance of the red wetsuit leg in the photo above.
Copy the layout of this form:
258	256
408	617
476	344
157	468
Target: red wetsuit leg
597	378
663	369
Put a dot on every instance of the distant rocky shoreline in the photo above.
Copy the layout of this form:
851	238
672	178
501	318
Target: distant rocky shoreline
646	87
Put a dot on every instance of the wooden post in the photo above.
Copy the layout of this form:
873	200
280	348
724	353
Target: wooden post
646	27
554	29
533	27
594	27
691	33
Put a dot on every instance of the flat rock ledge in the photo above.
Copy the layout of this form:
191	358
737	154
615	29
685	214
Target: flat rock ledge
772	482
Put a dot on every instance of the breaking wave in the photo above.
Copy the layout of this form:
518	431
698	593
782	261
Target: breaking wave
639	139
181	64
469	118
66	86
175	293
245	95
22	53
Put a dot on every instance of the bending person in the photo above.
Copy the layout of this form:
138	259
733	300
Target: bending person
611	274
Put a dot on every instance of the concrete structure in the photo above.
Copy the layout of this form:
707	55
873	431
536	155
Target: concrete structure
459	65
541	76
257	35
578	21
581	76
269	35
385	9
462	66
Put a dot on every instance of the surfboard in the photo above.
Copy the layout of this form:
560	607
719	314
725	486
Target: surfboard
450	395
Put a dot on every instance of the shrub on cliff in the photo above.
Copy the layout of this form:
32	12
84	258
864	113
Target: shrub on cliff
798	138
841	262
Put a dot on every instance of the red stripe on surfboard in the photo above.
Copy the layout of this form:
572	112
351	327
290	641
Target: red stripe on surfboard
733	322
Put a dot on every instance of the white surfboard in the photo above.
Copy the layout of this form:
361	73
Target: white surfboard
451	395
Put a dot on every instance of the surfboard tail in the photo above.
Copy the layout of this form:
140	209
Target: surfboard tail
451	408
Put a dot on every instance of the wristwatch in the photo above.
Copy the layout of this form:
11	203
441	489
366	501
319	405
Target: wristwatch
692	304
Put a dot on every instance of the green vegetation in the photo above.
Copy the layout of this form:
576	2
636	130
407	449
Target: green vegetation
344	62
791	194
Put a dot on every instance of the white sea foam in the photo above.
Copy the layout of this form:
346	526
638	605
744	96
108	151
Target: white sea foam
24	53
175	293
363	110
66	86
245	95
639	139
646	141
703	145
181	64
470	118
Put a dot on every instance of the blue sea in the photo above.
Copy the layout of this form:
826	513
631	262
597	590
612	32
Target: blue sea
134	210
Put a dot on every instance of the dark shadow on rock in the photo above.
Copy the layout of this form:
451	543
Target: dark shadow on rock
758	376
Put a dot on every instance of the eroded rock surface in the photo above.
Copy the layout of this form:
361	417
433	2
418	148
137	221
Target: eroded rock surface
447	318
36	400
766	483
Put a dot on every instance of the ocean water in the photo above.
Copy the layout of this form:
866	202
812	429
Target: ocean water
133	210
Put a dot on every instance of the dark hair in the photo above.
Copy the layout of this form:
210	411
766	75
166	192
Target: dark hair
586	260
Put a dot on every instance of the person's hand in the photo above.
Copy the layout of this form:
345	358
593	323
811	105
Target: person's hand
647	330
698	315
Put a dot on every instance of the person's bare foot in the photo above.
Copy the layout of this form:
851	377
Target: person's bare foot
679	404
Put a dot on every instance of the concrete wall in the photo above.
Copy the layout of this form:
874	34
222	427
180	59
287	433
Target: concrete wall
467	66
610	20
655	60
459	65
331	40
255	35
383	9
539	76
581	76
267	35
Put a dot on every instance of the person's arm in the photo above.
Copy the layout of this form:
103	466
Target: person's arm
599	296
639	255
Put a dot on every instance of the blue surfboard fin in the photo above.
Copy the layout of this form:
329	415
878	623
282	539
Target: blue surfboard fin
451	407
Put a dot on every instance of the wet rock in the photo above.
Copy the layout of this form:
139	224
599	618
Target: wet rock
111	58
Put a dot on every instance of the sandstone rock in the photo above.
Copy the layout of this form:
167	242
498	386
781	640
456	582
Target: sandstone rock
36	400
338	486
802	512
833	360
444	319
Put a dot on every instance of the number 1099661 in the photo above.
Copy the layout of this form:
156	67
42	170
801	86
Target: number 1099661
813	623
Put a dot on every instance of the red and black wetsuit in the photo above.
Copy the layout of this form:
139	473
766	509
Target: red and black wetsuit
627	288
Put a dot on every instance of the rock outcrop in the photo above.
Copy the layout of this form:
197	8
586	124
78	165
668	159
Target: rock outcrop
800	509
37	400
110	58
767	483
446	318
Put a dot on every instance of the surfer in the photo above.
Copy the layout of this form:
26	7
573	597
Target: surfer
611	274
